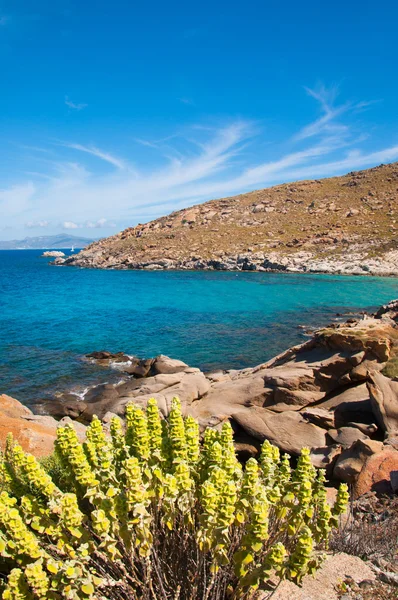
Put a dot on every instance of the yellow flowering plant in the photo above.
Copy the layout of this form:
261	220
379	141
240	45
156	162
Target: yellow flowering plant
151	512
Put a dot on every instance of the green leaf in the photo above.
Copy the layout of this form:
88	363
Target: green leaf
88	588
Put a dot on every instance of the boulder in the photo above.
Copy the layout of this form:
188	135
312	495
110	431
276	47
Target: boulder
384	399
225	398
346	436
376	473
101	394
164	365
99	355
290	377
68	405
139	368
319	416
366	429
325	457
360	372
149	385
246	447
350	462
287	430
388	311
352	404
12	408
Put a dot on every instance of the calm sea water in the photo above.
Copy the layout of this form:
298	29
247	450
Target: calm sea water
51	316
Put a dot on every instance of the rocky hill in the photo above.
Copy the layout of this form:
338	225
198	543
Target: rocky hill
345	224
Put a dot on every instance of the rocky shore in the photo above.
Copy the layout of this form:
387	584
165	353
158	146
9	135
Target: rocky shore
337	393
301	262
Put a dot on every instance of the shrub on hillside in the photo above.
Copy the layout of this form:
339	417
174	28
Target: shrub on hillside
150	513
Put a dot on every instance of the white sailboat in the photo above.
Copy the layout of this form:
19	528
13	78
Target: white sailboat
72	249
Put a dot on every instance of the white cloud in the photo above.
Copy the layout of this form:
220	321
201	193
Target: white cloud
70	225
36	224
98	224
74	105
190	166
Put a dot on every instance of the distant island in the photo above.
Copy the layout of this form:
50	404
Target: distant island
345	224
46	242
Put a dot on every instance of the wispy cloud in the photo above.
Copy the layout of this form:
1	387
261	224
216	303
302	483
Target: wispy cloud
327	123
200	163
113	160
4	20
74	105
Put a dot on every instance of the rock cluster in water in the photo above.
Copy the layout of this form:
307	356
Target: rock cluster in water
53	253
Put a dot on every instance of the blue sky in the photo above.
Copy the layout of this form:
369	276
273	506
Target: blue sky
114	113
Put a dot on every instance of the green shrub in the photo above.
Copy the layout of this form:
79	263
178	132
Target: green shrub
391	368
150	513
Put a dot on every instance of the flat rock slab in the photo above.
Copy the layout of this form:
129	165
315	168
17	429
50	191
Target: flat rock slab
346	436
323	586
287	430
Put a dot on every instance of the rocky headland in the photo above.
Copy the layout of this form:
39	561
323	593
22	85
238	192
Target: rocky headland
337	393
338	225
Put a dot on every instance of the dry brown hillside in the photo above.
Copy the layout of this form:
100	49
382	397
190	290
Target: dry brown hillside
341	224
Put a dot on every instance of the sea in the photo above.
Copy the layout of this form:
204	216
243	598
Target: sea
50	317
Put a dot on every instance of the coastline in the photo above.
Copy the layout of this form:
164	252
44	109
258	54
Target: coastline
301	263
336	393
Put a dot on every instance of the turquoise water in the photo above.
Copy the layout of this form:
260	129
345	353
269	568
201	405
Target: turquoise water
50	317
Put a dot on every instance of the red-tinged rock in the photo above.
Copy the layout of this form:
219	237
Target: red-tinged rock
35	433
9	407
376	473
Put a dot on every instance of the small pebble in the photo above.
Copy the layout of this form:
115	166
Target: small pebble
366	583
